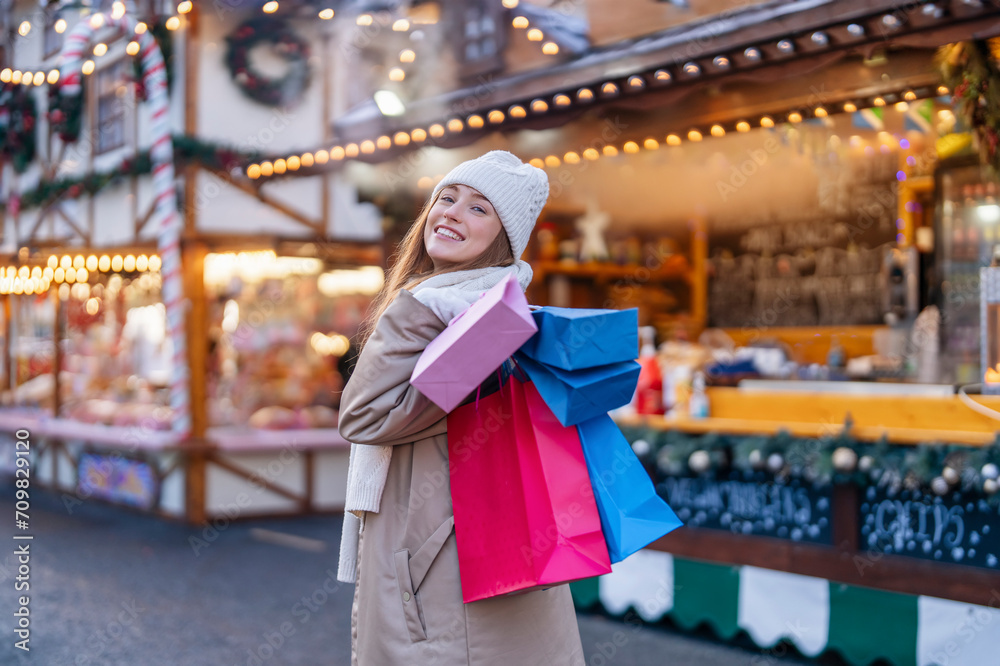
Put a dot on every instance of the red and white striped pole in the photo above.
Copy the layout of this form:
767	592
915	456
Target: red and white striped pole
162	155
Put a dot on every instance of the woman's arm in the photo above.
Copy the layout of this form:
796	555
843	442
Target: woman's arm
379	406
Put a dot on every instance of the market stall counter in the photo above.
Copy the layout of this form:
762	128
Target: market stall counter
811	515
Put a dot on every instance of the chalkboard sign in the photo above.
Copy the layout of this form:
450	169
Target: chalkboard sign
815	263
760	507
958	529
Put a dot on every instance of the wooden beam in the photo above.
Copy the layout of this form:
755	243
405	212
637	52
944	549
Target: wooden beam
86	237
253	477
58	334
315	225
699	274
140	224
193	271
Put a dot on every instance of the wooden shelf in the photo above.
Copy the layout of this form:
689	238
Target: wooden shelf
605	271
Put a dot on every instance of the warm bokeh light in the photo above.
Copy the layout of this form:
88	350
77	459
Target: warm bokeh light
718	131
673	140
535	35
520	22
87	68
173	23
694	135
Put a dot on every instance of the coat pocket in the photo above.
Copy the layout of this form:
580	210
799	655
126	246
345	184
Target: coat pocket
410	573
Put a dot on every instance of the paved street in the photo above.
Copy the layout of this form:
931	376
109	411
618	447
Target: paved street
110	586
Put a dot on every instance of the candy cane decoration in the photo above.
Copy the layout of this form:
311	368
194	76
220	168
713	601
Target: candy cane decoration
162	155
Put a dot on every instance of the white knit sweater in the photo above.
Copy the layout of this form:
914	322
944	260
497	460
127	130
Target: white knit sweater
448	295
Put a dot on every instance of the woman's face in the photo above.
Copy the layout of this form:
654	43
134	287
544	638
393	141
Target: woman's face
460	226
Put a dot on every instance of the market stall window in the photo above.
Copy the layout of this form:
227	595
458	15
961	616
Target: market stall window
32	328
480	49
280	331
115	352
112	102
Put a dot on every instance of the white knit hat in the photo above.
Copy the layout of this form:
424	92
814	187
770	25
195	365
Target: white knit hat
517	191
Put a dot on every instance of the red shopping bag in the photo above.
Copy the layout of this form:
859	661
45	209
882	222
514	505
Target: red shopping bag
525	514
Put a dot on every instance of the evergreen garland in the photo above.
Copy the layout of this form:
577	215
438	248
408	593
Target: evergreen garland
65	113
18	124
187	150
971	70
933	467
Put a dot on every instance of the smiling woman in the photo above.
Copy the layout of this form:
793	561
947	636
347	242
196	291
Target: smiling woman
408	602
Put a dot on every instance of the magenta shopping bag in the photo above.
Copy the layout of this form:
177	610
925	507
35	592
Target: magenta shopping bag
474	345
525	512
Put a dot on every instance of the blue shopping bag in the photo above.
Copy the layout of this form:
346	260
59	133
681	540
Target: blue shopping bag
578	395
632	514
575	338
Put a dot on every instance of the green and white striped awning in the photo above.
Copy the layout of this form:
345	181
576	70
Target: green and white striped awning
814	614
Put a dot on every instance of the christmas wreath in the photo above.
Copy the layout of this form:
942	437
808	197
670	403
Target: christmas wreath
971	70
278	91
18	119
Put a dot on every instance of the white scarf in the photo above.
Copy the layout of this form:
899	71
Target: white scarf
447	295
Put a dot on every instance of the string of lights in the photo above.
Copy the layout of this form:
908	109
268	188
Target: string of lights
476	121
69	269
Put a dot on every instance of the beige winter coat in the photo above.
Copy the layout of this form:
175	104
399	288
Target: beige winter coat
408	600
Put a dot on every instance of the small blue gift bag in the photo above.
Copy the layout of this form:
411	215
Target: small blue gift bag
575	338
578	395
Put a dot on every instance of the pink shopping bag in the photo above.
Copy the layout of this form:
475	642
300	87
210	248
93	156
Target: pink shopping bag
525	514
474	345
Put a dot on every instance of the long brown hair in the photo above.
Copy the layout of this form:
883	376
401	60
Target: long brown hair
411	265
